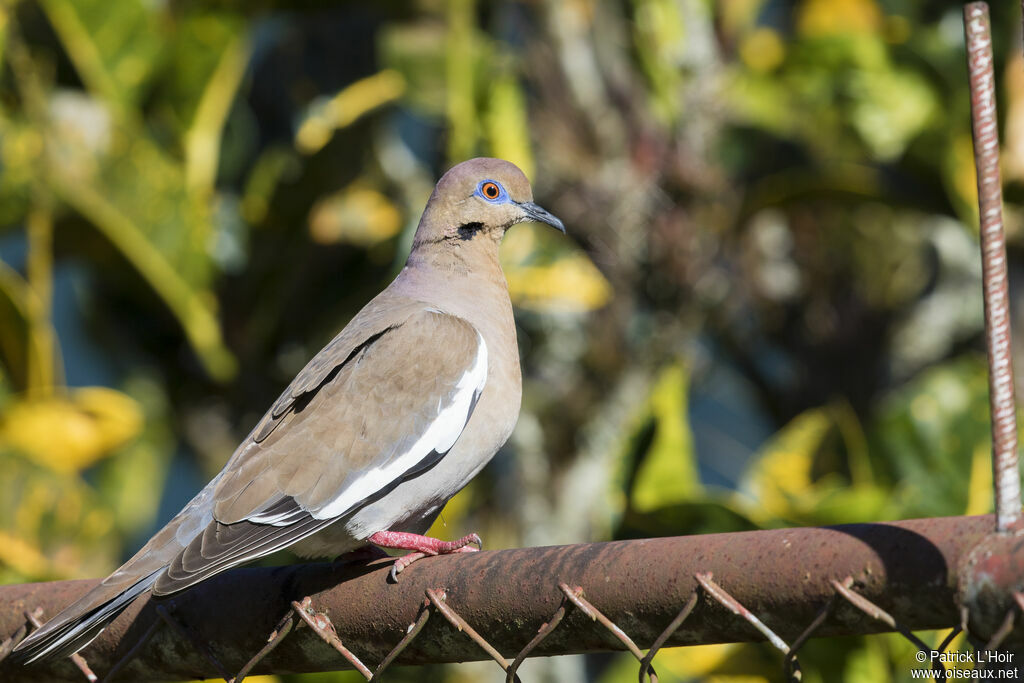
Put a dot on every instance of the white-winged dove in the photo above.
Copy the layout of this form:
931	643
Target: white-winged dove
384	425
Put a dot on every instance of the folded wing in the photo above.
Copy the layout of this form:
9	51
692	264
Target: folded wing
392	409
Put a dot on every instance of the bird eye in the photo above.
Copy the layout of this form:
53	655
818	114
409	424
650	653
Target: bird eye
490	190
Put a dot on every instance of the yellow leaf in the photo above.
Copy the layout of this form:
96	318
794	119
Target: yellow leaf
508	126
781	472
762	50
699	660
454	510
462	54
724	663
350	104
22	556
564	281
979	487
961	183
357	215
203	139
53	515
817	18
668	472
1013	158
869	664
69	433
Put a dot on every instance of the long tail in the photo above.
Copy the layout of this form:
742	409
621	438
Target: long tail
78	624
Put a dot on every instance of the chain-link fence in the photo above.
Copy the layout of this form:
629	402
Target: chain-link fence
784	586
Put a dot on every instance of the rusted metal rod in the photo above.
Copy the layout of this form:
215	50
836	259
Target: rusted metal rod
1006	474
784	576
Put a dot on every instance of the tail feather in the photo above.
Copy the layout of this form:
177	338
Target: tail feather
78	624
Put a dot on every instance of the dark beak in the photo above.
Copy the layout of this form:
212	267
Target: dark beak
541	215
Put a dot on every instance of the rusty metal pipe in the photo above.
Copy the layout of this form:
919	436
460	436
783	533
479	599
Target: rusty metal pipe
985	130
784	576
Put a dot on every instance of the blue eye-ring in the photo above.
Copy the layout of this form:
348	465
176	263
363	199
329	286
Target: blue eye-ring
492	191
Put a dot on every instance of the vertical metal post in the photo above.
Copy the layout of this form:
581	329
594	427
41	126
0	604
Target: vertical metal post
1006	475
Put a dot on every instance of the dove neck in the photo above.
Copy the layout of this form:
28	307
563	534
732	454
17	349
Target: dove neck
462	273
470	259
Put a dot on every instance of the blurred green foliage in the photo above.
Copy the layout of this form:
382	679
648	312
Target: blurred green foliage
767	313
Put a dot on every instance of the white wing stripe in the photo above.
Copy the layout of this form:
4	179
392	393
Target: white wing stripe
286	518
440	436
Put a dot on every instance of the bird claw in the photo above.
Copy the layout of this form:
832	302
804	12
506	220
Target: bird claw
462	545
402	562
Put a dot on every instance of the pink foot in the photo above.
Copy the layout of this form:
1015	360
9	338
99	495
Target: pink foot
422	546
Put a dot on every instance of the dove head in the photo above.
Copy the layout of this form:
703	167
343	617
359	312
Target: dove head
476	202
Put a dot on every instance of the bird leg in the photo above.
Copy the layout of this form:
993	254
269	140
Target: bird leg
422	546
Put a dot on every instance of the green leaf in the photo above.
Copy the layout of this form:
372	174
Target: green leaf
868	664
660	41
837	502
52	526
507	123
700	517
110	43
460	59
206	50
129	477
417	52
166	241
780	475
658	463
102	161
815	470
26	345
21	144
928	433
890	108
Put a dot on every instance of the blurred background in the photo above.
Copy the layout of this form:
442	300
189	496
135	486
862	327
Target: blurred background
767	310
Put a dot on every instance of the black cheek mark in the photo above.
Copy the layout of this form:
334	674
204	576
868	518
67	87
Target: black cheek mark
467	230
